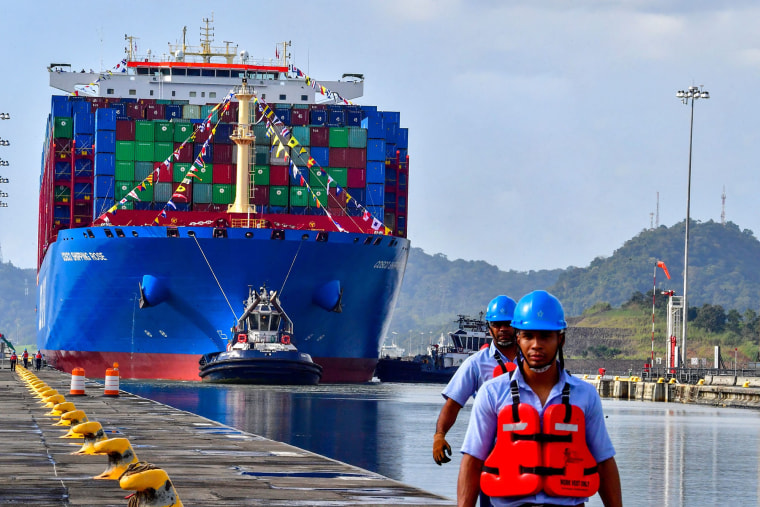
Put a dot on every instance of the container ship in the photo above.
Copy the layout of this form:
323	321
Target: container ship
171	185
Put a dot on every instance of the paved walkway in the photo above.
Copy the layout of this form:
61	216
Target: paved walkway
208	463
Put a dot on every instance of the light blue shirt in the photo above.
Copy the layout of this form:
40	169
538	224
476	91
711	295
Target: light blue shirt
495	395
475	371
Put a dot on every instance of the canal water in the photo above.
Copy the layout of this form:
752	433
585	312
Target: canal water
669	455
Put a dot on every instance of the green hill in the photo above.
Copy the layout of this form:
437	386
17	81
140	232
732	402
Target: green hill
18	297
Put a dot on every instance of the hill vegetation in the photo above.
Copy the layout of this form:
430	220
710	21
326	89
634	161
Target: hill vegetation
18	297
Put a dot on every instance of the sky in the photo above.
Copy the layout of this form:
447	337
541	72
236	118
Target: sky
540	132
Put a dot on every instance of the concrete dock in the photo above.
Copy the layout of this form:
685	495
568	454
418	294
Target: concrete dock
208	463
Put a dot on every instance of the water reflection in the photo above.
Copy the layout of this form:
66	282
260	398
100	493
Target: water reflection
669	455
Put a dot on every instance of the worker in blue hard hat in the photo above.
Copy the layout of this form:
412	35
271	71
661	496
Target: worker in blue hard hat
552	446
496	359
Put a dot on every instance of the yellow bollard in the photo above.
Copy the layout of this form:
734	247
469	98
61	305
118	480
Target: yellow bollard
72	418
701	382
151	484
92	432
52	401
660	380
61	408
120	455
746	383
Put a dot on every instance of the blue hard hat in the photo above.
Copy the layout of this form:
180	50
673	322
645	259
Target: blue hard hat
500	309
539	311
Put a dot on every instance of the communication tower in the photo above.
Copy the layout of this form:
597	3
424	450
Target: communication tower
723	207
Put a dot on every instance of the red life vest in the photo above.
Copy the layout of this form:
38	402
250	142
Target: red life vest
38	356
502	367
526	460
14	357
26	354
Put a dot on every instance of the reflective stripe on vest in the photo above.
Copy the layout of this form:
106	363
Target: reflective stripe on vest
526	460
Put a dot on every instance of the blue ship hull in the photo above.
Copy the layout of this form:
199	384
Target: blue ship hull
89	296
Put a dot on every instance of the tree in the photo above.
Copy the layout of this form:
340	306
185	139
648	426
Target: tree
734	321
711	318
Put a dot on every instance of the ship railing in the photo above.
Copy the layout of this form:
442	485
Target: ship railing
250	223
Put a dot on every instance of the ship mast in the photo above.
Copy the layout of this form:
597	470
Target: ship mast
243	137
205	51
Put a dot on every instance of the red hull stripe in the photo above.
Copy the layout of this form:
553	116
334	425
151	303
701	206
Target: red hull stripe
185	366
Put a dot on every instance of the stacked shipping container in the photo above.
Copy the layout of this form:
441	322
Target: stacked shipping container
103	148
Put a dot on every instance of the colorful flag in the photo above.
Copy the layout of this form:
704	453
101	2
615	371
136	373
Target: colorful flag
376	224
365	215
310	162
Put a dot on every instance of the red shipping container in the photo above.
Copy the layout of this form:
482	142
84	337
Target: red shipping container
299	117
63	147
224	173
231	114
260	194
144	102
222	153
155	112
185	153
356	158
182	193
278	175
136	111
336	201
338	157
319	136
357	178
125	130
162	173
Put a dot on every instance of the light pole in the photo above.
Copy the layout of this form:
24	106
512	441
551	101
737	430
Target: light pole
688	96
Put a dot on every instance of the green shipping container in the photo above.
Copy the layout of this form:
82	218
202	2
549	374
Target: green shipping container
260	132
163	131
162	151
125	150
202	193
63	127
260	174
146	194
357	137
126	205
62	193
142	170
122	189
144	151
191	112
180	172
338	137
262	155
299	196
223	194
206	110
125	170
338	174
205	174
182	131
302	135
144	131
278	196
321	195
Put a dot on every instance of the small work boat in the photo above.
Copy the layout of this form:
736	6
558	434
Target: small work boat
260	350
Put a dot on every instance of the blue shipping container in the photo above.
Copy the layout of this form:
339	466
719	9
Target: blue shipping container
83	191
63	170
376	172
376	211
317	117
374	126
336	118
82	142
390	151
402	138
173	111
359	194
120	109
376	194
104	187
83	167
320	155
391	117
105	119
61	106
80	106
105	165
208	157
283	114
84	123
295	181
223	133
376	149
105	141
353	118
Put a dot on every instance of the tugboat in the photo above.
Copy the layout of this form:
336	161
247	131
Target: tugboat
260	350
442	360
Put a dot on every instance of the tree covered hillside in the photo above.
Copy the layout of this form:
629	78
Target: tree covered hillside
723	269
18	297
436	290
